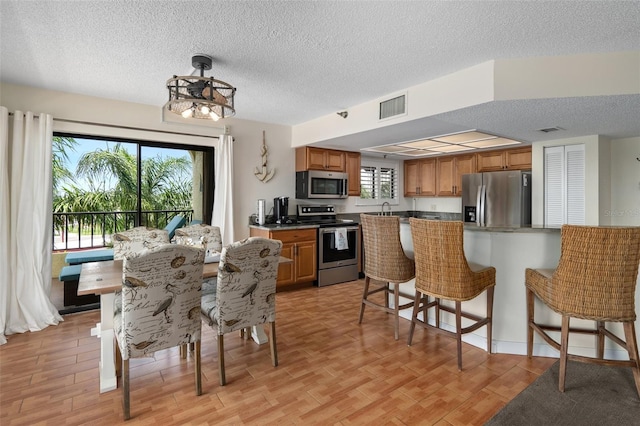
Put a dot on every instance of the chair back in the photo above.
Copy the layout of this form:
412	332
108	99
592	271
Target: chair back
246	289
597	272
160	300
135	240
208	235
384	258
442	269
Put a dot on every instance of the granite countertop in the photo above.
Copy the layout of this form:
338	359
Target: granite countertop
519	229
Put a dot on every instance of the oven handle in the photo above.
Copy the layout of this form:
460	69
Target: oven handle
333	228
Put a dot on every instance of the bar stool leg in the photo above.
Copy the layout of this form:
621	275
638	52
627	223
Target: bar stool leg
564	347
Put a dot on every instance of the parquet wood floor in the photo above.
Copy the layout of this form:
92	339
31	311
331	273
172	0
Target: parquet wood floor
332	371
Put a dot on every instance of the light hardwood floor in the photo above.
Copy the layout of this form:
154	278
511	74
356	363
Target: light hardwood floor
332	371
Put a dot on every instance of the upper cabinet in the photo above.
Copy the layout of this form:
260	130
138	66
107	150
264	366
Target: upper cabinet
420	177
508	159
309	158
353	172
442	176
449	173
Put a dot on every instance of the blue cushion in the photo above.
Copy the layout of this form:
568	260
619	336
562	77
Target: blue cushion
70	273
177	222
89	256
195	222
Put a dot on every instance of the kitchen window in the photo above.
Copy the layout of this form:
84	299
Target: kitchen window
378	182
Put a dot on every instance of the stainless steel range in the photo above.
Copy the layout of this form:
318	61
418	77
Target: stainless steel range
338	243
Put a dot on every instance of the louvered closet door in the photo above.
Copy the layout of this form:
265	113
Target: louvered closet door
564	188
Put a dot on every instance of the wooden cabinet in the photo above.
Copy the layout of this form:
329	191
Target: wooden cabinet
420	177
309	158
505	159
300	245
449	173
353	172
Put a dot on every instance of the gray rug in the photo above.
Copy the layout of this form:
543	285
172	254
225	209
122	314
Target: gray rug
594	395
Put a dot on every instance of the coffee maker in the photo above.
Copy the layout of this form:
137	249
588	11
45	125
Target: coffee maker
281	210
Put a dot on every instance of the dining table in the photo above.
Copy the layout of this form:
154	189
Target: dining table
104	279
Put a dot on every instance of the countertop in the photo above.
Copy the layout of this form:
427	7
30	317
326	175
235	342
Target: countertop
519	229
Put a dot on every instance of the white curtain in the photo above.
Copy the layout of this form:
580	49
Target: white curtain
25	223
223	194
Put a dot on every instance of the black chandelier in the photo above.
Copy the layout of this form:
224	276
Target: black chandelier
200	96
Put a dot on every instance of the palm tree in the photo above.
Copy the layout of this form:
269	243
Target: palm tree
111	176
61	145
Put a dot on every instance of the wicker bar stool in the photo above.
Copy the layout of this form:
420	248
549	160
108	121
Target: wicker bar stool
442	272
595	280
386	262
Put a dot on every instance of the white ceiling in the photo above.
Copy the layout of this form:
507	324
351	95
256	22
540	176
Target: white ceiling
293	61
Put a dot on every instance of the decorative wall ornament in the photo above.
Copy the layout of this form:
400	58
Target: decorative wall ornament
264	175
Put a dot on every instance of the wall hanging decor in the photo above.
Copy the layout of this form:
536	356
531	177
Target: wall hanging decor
264	174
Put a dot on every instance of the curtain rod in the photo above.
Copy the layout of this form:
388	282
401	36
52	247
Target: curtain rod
116	126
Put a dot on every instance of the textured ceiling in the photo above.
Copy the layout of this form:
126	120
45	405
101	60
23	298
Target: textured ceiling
294	61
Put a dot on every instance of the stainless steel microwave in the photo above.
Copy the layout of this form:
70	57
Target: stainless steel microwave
321	184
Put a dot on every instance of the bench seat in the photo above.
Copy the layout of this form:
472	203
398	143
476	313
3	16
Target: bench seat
78	257
70	275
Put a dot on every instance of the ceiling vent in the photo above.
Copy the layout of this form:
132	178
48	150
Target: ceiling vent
393	107
550	129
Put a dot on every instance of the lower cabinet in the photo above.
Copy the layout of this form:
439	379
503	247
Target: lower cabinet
300	245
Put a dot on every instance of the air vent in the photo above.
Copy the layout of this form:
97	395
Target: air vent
550	129
393	107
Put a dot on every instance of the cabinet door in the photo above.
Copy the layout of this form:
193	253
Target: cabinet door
316	159
305	261
464	164
427	177
286	271
335	161
411	178
353	171
490	161
518	159
444	180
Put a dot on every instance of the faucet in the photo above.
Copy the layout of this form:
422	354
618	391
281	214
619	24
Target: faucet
382	209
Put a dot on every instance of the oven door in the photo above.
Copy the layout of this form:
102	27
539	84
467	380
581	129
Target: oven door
335	249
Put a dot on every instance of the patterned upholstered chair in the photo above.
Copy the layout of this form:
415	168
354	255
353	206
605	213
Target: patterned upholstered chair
201	233
442	272
595	280
385	262
246	292
160	301
135	240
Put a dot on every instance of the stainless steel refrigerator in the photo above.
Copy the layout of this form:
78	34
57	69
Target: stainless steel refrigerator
497	198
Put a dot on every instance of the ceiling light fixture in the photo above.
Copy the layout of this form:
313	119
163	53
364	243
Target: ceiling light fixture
200	96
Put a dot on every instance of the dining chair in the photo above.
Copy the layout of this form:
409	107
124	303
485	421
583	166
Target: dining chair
160	306
595	280
210	238
246	292
385	263
136	239
204	234
442	272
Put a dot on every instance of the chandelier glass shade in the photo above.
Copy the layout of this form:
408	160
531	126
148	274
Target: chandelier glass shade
200	96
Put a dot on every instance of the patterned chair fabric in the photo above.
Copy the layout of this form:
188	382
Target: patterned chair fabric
246	292
135	240
160	300
159	306
210	237
207	235
246	286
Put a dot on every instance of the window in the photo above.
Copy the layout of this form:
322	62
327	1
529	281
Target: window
103	185
378	182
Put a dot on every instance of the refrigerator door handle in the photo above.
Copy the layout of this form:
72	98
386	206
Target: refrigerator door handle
483	201
478	204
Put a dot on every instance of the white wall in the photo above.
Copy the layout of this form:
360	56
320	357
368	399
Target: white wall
625	183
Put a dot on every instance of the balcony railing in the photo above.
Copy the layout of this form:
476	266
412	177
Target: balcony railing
84	230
